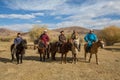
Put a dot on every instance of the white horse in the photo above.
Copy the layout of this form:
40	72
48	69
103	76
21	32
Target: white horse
75	49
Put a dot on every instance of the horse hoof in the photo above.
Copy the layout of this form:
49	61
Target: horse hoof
97	63
17	63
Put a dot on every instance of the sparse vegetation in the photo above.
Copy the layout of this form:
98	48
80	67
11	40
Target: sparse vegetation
6	39
36	31
110	34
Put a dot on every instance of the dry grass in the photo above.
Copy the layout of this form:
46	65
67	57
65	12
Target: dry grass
33	69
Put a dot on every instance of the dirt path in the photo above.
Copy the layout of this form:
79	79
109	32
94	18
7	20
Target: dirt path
33	69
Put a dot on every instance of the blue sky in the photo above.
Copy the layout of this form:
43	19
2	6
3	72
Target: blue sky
21	15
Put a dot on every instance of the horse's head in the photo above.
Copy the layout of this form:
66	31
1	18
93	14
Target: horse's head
101	43
36	41
24	43
69	44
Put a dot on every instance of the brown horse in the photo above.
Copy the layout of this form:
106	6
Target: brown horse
42	50
94	49
63	50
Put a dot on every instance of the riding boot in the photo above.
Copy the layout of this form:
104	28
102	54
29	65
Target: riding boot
87	49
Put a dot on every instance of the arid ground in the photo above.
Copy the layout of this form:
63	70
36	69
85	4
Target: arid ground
33	69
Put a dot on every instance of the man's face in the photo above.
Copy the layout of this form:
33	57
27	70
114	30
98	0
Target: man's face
91	31
45	32
19	35
62	33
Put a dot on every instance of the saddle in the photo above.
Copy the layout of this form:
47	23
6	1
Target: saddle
41	44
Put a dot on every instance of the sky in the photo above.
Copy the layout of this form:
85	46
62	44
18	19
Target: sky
21	15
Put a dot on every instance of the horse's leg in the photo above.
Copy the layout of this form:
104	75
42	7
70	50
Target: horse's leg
75	59
65	58
21	57
17	56
96	58
44	54
61	58
40	57
53	55
90	57
72	58
85	55
48	54
12	54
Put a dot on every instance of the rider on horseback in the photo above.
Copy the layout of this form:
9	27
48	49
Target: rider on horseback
90	38
44	38
62	40
75	38
17	41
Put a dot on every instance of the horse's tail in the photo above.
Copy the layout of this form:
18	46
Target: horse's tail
11	47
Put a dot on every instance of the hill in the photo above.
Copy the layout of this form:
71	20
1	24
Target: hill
7	32
79	29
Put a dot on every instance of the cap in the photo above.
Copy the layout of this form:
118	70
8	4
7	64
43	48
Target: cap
45	30
61	31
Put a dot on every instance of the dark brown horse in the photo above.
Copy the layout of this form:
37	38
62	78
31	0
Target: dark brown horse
19	51
63	50
94	49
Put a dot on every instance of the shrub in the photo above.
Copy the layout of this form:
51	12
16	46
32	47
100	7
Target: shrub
110	34
6	39
36	31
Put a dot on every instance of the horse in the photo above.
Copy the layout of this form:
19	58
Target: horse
42	49
93	49
19	51
53	49
75	48
65	48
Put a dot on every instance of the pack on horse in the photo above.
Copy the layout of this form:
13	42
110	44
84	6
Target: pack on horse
93	49
19	51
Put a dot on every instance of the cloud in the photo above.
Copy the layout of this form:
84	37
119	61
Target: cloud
85	14
18	16
34	5
38	21
21	16
25	27
38	14
19	27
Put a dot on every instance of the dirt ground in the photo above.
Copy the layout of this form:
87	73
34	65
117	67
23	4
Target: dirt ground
33	69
